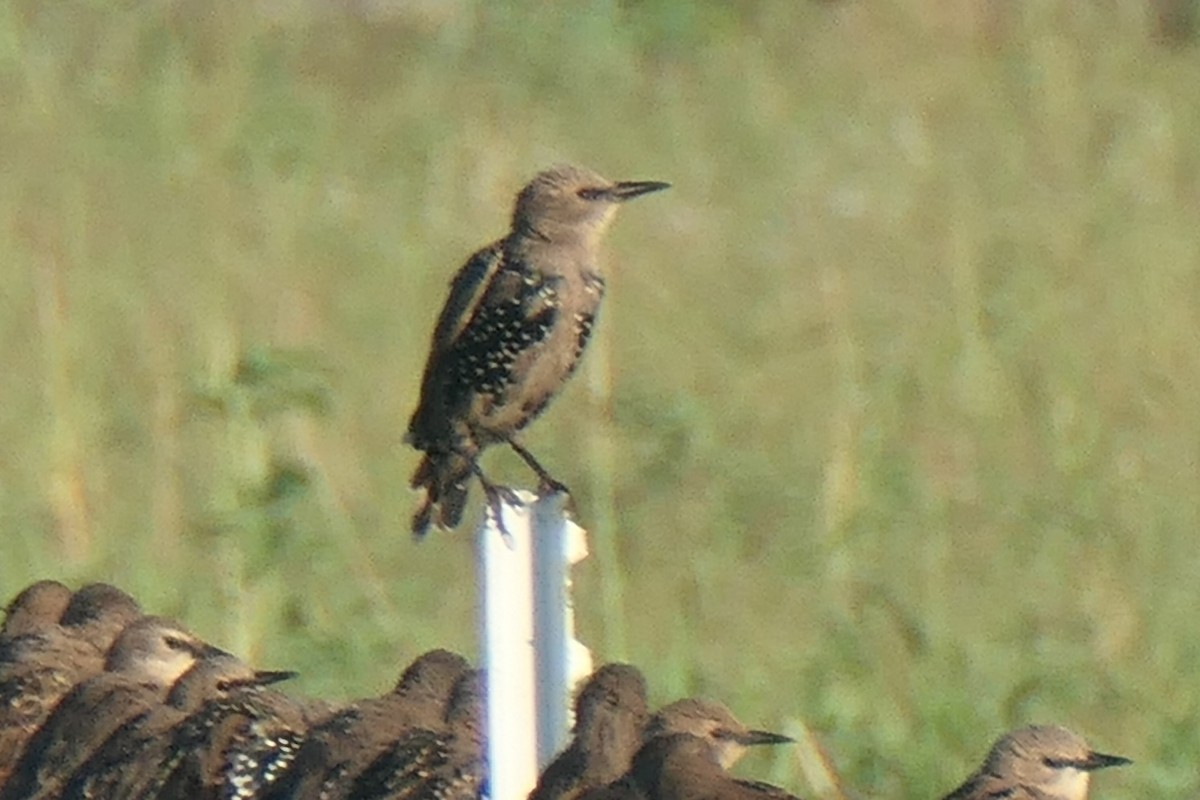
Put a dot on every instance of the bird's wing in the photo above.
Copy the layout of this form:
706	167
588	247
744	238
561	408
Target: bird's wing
498	310
467	290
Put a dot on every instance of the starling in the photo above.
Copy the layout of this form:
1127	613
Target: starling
610	713
681	766
518	317
126	764
235	745
38	668
144	661
712	722
98	613
1041	762
719	741
446	762
268	731
342	746
37	607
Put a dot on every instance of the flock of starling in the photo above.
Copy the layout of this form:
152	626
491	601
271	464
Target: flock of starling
98	700
518	317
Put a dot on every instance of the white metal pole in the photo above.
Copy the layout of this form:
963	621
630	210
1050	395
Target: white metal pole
530	652
561	660
506	574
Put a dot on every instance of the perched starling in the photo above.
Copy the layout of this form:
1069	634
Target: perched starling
38	668
610	713
235	745
681	766
713	722
268	730
144	661
127	763
98	613
722	742
1041	762
518	317
37	607
446	762
339	748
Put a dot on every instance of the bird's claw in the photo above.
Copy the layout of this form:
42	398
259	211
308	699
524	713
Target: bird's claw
497	497
548	486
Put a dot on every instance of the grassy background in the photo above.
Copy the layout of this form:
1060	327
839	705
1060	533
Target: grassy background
891	426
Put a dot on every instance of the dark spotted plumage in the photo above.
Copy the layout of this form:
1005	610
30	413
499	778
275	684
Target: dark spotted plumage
259	760
484	357
143	663
339	748
127	765
234	745
445	761
519	315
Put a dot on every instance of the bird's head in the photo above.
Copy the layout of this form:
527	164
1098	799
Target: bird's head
156	650
714	723
1051	758
219	675
571	203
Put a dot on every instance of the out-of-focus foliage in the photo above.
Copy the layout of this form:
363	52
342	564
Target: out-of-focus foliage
891	425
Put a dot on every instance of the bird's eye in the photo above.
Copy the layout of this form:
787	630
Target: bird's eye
590	193
1056	763
175	643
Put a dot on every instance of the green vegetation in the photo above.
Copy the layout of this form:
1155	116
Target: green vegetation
891	426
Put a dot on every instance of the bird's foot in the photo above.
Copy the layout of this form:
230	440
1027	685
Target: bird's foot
499	496
548	485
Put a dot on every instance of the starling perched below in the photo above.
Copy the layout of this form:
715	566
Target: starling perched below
98	613
35	608
610	713
681	766
444	762
339	748
127	763
1041	762
261	737
714	723
234	744
39	667
144	661
518	317
705	741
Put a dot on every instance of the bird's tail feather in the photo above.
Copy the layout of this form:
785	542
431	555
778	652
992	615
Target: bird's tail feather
443	478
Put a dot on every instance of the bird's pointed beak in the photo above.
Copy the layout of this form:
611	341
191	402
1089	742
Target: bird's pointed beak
268	677
750	738
1096	761
260	678
627	190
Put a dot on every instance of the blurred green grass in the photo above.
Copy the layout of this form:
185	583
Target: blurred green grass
891	424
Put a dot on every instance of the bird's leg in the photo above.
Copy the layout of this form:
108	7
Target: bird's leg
497	495
546	483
